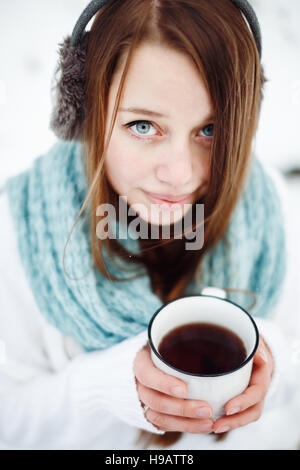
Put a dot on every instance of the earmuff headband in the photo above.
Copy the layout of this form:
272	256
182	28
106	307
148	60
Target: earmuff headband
95	5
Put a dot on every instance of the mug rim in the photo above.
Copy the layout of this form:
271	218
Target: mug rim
192	373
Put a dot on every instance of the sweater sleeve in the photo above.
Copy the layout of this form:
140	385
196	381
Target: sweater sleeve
42	408
62	409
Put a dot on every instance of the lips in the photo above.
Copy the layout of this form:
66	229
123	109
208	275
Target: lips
167	204
169	198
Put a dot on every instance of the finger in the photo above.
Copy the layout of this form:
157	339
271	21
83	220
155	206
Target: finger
166	422
250	415
261	376
162	403
255	393
148	375
252	396
261	355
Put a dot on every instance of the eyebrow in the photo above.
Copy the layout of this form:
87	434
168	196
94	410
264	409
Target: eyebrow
154	113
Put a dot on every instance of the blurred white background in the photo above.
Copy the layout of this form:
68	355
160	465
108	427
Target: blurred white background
29	36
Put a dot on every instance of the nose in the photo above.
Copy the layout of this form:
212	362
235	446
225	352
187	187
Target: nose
176	169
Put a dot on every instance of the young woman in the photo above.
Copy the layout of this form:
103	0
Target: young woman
159	103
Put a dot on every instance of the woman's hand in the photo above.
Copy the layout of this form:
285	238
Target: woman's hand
247	407
164	394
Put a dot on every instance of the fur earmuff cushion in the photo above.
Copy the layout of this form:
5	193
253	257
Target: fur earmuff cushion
68	90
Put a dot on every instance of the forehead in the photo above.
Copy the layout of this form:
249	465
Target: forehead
164	80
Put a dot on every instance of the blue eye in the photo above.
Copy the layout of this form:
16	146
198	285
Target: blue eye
142	127
209	129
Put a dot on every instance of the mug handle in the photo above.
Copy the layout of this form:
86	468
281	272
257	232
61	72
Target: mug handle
215	292
222	293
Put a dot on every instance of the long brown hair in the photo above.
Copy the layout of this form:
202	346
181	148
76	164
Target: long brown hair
215	36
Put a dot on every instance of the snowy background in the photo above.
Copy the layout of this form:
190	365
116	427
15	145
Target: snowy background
29	35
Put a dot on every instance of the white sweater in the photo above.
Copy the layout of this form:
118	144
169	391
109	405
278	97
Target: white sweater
54	395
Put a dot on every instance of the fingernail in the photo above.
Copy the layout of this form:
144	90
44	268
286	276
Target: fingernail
205	427
178	392
222	429
233	411
203	412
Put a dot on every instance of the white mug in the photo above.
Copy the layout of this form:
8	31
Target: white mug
211	306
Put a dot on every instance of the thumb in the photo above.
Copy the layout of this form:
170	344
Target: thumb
261	354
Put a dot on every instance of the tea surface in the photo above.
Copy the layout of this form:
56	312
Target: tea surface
202	348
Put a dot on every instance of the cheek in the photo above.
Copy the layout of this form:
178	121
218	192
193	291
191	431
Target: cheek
202	164
127	165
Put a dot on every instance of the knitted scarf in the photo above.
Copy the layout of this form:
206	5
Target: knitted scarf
97	312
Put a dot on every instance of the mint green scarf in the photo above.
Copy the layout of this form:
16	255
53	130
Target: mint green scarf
96	312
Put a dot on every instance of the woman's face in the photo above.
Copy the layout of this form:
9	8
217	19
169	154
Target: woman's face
162	136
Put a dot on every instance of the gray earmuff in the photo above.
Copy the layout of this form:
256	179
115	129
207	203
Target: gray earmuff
69	89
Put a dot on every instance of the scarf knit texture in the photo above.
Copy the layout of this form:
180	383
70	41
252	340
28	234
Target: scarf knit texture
97	312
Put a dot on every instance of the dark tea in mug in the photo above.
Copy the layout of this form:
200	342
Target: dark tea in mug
202	348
